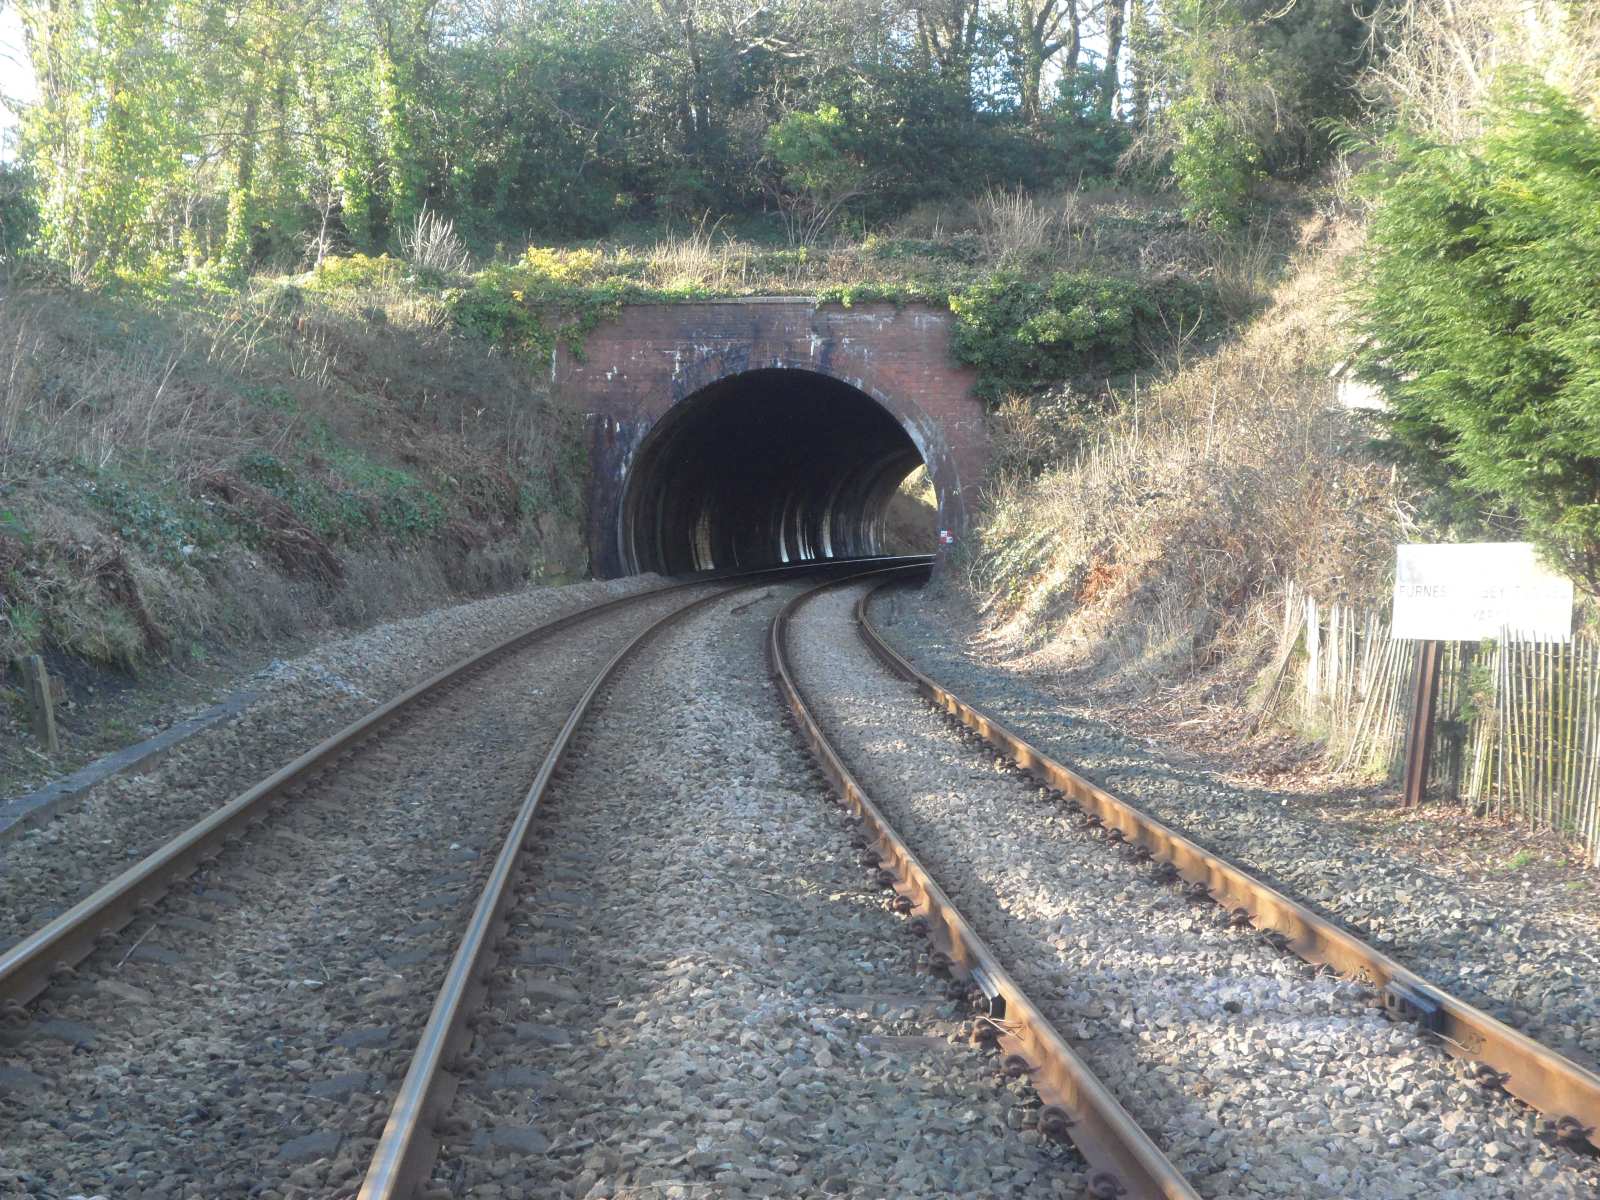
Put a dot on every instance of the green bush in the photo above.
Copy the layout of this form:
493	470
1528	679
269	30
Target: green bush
1215	164
525	306
333	513
406	507
960	248
1481	300
1023	334
500	314
355	273
167	528
360	497
19	211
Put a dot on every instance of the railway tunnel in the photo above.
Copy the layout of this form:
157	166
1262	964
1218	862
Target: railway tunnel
767	466
765	430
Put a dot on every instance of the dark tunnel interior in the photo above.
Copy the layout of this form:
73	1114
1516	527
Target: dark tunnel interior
766	467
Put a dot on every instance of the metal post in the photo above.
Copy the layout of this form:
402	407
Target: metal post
1419	735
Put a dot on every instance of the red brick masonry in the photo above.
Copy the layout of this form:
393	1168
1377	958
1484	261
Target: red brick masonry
654	356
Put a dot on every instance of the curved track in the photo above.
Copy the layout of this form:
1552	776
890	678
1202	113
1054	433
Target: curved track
27	967
1078	1105
51	951
247	1025
1504	1058
579	936
281	970
1222	1047
588	908
405	1153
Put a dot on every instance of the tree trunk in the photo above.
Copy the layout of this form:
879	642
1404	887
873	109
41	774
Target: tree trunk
1116	12
1074	38
945	29
236	241
1030	83
1036	37
1138	60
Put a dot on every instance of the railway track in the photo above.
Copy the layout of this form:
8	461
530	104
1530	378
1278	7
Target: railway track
1123	1160
29	960
676	984
1567	1092
27	967
668	971
302	925
1213	1036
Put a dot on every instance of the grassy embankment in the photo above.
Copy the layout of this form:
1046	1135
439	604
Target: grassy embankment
1143	553
186	471
185	466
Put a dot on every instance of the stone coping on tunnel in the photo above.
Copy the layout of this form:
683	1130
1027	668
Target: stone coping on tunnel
812	301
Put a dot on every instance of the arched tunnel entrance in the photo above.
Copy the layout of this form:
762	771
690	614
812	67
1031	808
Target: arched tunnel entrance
767	466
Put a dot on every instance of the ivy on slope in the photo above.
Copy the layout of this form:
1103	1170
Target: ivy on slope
1025	333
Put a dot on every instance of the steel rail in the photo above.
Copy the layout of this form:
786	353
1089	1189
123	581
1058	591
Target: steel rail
27	968
405	1153
1122	1158
1506	1059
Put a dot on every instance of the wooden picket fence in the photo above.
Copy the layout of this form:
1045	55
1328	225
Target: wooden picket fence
1518	731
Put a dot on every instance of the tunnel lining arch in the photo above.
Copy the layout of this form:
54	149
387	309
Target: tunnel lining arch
755	465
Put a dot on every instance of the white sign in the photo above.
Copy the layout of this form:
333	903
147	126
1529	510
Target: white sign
1479	590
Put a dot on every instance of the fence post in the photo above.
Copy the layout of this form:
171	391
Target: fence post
1313	655
1330	672
41	700
1419	733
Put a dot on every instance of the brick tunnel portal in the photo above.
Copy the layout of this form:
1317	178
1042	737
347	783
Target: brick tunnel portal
744	432
765	466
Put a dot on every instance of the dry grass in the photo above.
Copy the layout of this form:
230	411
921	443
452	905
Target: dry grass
936	220
68	396
432	245
699	260
1442	59
1151	551
1015	228
125	513
934	249
1073	229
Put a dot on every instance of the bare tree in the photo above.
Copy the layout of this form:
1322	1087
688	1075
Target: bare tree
947	32
1441	55
1141	38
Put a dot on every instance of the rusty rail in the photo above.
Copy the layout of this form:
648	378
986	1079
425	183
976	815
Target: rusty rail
1123	1161
406	1151
1566	1092
26	968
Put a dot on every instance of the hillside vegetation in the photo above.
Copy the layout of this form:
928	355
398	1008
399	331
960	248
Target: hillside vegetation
188	459
180	468
1140	542
1150	541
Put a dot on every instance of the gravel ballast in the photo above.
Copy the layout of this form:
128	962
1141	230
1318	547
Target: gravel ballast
704	997
1529	957
46	869
241	1040
1257	1076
